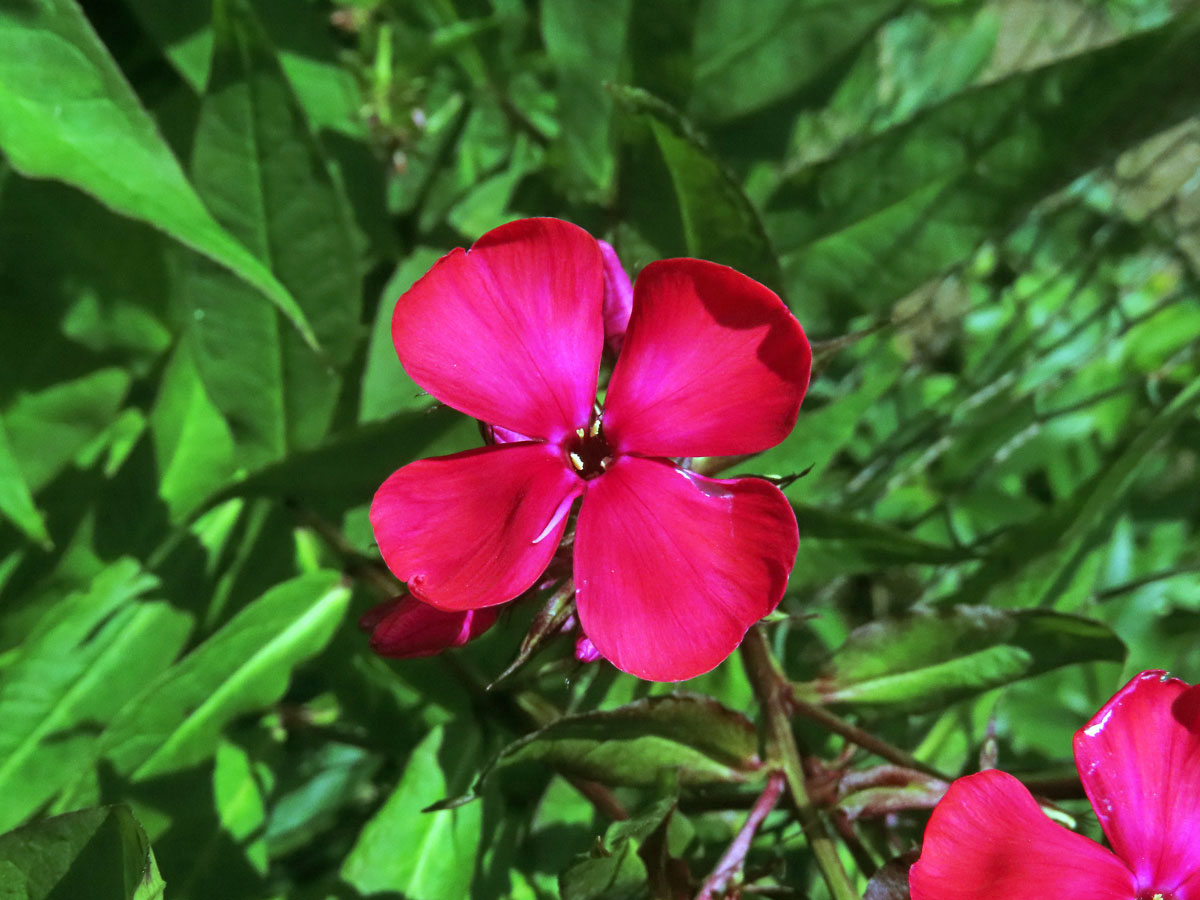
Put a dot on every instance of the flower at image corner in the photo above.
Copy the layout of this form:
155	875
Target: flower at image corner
671	568
1139	761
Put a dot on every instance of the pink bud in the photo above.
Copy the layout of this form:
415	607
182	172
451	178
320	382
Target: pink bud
585	650
618	298
406	628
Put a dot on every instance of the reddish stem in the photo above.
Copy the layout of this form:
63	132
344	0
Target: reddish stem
731	862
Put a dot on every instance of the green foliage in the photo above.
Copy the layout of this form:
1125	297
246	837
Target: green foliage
101	853
985	214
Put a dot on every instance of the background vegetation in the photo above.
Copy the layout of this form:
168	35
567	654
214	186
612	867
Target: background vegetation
986	213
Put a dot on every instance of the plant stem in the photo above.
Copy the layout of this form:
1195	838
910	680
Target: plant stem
861	738
734	858
774	692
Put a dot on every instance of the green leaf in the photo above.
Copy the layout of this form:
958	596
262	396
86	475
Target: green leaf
91	654
386	387
347	470
931	658
833	543
716	220
193	445
1034	564
745	62
585	42
100	854
421	855
47	430
66	112
863	227
617	866
16	500
618	874
266	179
243	667
241	806
639	744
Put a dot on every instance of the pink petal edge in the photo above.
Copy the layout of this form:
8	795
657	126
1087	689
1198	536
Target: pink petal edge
1139	760
988	838
476	528
510	332
713	364
672	568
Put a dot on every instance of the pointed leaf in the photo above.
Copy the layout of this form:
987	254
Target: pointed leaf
91	654
243	667
66	112
421	855
101	854
643	742
931	658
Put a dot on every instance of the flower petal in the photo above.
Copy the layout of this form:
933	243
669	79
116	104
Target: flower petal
713	365
618	298
476	528
1139	759
988	838
673	568
510	332
406	628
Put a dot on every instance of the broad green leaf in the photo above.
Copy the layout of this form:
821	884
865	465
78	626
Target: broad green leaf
863	228
259	168
715	219
746	61
67	113
585	42
416	854
95	651
100	854
47	430
930	658
16	500
693	736
243	667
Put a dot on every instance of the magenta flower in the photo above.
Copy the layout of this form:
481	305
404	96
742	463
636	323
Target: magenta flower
671	568
1139	760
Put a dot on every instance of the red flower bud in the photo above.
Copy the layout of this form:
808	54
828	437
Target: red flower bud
406	628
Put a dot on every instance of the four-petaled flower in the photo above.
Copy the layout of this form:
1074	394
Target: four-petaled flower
1139	760
671	568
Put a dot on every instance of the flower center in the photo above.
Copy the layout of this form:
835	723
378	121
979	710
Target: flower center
1155	895
588	452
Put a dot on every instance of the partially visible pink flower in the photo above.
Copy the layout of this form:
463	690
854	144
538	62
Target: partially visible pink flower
406	628
671	567
1139	760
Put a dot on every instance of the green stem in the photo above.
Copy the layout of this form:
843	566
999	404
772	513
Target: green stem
862	738
774	694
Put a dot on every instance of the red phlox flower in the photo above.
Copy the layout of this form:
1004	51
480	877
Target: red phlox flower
671	568
1139	760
